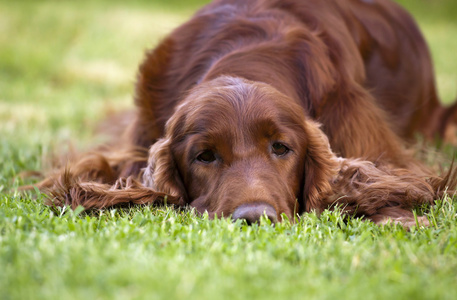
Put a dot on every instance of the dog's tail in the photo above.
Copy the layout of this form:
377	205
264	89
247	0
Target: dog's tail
448	125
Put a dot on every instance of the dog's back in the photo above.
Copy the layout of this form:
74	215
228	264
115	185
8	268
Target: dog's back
374	43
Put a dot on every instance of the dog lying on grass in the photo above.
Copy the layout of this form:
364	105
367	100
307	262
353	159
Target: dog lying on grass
275	107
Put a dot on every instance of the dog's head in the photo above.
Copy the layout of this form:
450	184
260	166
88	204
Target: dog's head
241	148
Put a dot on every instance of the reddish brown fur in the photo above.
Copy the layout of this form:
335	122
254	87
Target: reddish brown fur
343	84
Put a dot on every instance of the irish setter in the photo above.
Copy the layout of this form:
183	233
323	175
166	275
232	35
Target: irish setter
275	107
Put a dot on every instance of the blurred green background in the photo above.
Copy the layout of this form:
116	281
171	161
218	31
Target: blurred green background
64	63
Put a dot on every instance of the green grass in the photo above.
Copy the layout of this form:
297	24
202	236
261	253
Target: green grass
150	253
65	65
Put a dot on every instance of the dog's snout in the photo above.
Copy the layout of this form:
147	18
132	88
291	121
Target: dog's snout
252	212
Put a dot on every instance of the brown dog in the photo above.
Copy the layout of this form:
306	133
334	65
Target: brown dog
275	107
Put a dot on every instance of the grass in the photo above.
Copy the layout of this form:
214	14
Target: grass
64	65
149	253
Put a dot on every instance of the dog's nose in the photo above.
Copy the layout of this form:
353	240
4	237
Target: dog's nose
252	212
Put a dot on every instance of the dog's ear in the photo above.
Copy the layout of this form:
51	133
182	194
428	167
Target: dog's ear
379	192
382	191
161	173
320	167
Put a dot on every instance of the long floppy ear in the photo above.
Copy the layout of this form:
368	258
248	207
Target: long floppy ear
161	173
321	167
379	192
382	192
94	183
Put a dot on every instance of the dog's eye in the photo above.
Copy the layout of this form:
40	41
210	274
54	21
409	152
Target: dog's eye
279	149
206	156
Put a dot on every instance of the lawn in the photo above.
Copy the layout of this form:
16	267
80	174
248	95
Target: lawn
64	66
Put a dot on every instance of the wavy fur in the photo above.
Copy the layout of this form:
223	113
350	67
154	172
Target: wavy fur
293	105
